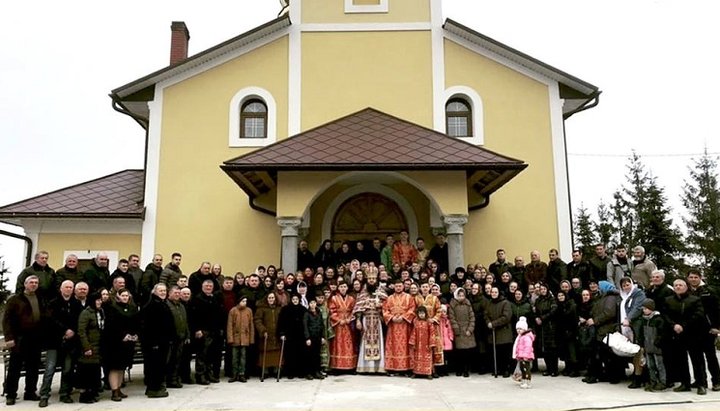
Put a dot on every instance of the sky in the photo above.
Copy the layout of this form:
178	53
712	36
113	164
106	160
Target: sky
654	60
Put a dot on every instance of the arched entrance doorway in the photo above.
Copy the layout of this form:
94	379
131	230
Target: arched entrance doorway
366	216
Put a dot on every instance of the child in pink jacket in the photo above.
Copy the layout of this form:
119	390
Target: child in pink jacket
447	335
523	350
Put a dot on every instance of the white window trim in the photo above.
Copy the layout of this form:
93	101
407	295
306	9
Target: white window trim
473	98
113	256
366	8
234	139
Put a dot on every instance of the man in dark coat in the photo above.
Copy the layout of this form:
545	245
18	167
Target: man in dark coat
659	290
197	278
123	271
98	275
686	318
439	254
556	271
68	272
22	327
599	263
172	271
535	270
500	265
518	272
46	277
305	258
579	268
180	338
134	269
150	277
605	319
711	305
61	342
158	329
206	313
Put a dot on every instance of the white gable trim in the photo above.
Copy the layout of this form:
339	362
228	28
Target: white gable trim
295	70
152	175
476	105
438	65
562	198
243	95
499	59
382	7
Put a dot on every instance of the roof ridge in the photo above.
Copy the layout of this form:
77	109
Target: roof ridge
69	187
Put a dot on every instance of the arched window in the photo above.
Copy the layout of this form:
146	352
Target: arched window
458	118
253	119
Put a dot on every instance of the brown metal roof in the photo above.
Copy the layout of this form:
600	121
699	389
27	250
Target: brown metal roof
118	195
371	140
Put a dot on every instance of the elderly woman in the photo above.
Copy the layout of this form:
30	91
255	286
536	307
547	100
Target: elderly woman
462	320
91	325
121	335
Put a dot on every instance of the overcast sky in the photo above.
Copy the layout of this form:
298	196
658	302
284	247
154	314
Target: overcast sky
655	61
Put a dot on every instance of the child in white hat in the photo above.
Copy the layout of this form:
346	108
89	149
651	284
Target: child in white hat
523	350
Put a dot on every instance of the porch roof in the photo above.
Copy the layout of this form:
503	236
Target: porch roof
370	140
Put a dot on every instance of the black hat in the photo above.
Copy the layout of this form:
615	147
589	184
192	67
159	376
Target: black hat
649	304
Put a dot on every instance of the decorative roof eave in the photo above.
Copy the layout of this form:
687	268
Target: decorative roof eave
580	92
202	57
63	216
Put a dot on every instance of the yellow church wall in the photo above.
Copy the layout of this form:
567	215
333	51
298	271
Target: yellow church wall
522	215
201	212
343	73
333	11
57	244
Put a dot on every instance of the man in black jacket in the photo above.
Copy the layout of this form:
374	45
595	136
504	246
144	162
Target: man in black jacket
149	278
711	305
98	275
158	329
62	342
22	327
206	313
686	318
579	268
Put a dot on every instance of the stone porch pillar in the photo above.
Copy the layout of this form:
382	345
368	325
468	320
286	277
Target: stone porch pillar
454	225
290	228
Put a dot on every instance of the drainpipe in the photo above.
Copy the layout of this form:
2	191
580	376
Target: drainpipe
485	203
28	242
260	209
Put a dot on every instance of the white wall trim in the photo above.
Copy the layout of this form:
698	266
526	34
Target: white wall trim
152	175
330	27
113	256
295	69
369	188
438	65
243	95
562	198
382	7
217	61
476	105
499	59
83	226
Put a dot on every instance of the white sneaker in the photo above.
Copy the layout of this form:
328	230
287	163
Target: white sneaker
524	384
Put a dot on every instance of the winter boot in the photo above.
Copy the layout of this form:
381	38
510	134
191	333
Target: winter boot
116	395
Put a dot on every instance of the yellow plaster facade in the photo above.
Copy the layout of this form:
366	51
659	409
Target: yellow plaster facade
57	244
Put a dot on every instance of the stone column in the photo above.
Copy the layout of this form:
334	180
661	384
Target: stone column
454	225
290	227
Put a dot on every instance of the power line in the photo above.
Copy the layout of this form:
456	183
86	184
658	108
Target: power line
643	155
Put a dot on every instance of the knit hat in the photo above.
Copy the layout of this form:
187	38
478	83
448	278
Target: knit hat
649	304
522	324
606	286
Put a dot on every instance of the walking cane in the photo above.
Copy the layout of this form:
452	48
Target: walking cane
494	354
282	351
262	375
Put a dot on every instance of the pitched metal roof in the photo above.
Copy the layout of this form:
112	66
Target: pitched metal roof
118	195
371	140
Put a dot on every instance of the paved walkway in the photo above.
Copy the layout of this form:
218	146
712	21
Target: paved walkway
393	393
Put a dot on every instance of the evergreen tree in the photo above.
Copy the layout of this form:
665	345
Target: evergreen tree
621	221
701	198
584	235
603	227
4	291
648	221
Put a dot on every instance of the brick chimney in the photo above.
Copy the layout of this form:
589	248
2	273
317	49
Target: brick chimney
178	42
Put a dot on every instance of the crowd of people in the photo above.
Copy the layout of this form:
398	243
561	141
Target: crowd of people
392	308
